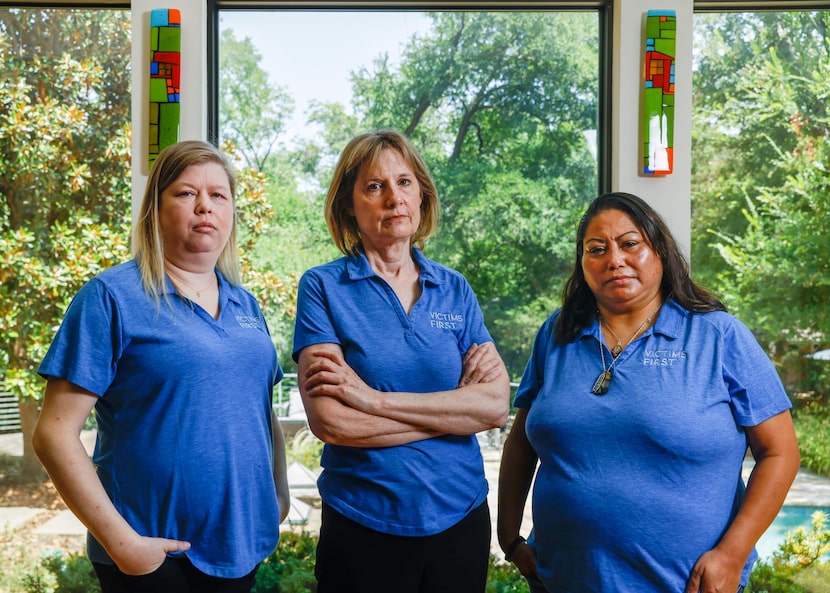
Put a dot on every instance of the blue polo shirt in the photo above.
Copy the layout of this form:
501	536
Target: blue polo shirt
424	487
184	445
635	485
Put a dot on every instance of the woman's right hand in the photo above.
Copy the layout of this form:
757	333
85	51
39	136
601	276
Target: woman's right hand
328	374
57	442
145	555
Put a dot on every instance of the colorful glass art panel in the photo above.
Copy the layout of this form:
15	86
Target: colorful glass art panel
165	69
658	100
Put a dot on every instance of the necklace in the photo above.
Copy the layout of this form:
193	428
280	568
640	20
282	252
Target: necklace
618	347
199	291
603	382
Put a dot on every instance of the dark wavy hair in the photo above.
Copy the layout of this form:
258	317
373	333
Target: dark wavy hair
579	305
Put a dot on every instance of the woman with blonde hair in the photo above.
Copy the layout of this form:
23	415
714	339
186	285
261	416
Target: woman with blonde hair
187	485
398	373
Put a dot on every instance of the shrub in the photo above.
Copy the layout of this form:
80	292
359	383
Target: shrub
36	583
64	573
815	579
290	568
812	425
803	548
797	565
304	448
503	577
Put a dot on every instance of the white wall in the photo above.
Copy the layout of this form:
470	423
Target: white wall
193	81
670	195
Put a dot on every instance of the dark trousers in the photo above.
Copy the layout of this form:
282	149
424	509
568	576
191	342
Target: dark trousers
534	585
352	558
176	575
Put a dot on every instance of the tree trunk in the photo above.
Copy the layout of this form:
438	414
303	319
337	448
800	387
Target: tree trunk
30	468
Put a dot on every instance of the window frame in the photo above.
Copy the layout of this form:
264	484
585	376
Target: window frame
121	4
760	5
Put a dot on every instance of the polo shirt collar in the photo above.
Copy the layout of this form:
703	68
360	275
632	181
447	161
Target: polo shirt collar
668	324
671	319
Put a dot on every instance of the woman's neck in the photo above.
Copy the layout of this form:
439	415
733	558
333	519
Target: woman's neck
395	262
194	271
624	322
200	287
399	269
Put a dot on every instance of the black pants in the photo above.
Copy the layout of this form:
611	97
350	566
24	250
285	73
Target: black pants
352	558
534	585
176	575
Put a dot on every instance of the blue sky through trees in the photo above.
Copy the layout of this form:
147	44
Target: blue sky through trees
312	54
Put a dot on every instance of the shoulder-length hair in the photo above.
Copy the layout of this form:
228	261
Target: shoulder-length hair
579	305
365	149
147	245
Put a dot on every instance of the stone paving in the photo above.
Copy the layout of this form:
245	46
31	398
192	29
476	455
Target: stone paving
808	489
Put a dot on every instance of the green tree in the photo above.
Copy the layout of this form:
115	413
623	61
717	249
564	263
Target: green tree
293	236
735	139
64	177
65	184
762	195
500	104
267	247
253	112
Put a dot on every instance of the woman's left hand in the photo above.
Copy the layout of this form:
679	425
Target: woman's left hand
480	364
716	572
524	557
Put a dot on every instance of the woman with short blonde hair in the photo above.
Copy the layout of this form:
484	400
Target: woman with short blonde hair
398	373
364	150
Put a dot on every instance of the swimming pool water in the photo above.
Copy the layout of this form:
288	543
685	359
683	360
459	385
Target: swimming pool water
788	519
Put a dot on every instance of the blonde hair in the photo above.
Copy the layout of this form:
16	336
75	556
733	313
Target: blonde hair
147	245
365	149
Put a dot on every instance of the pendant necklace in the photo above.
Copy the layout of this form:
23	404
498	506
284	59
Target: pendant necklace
603	382
618	347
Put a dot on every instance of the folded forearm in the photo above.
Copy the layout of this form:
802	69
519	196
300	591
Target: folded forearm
336	423
466	410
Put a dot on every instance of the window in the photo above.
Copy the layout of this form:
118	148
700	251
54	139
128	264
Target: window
64	170
503	105
760	184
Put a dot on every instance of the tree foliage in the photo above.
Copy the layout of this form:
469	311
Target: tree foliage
64	170
65	191
762	195
64	177
252	110
275	289
499	104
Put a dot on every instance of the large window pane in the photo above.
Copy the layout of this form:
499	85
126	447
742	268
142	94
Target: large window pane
761	193
64	169
503	106
761	203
